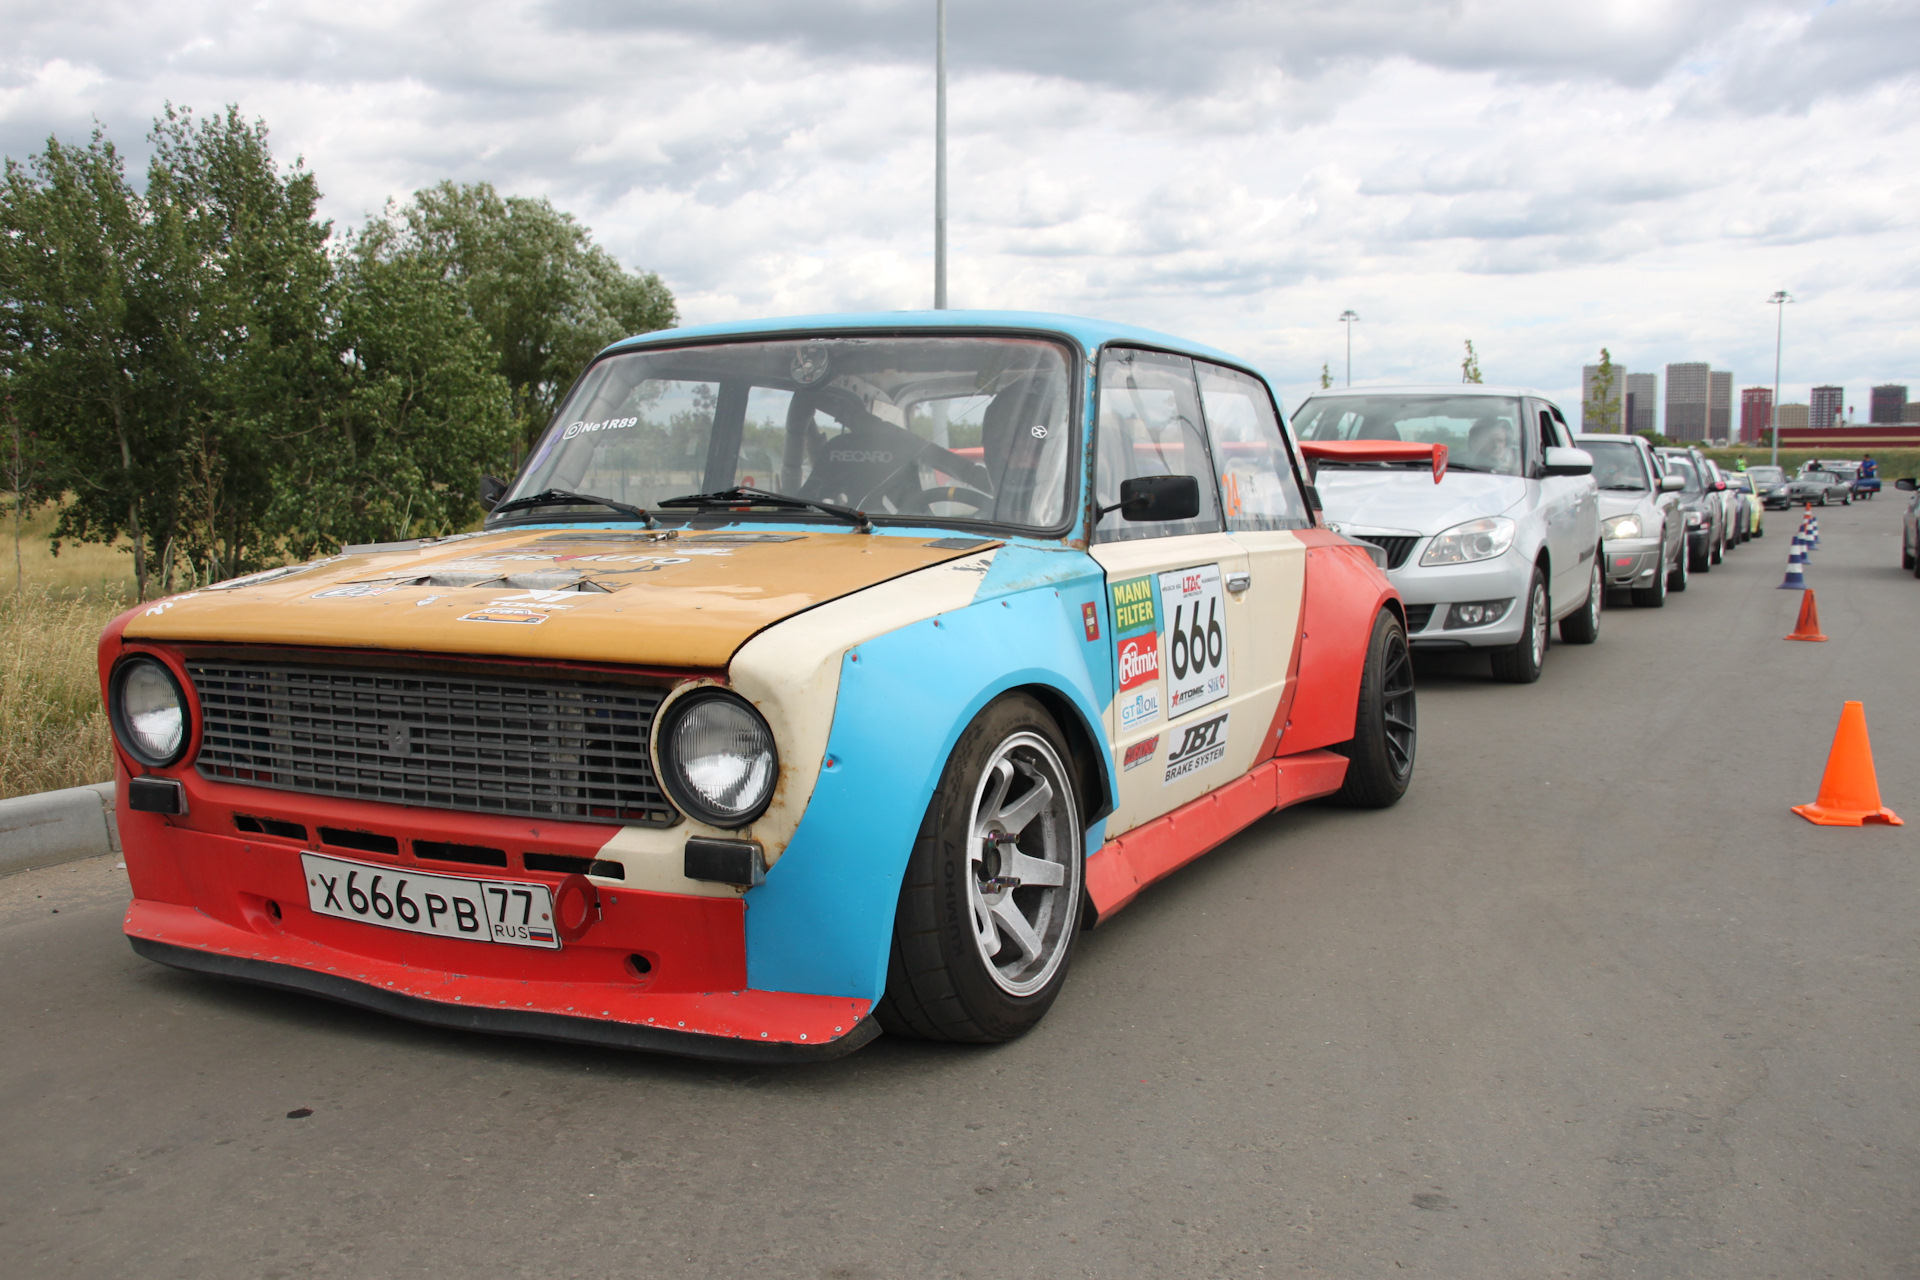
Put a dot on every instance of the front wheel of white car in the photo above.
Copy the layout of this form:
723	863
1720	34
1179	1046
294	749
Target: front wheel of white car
990	905
1520	662
1583	627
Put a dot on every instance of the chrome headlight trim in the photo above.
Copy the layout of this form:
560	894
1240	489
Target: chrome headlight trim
704	780
146	728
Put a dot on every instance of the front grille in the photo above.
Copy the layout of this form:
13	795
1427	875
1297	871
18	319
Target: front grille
529	747
1418	616
1397	548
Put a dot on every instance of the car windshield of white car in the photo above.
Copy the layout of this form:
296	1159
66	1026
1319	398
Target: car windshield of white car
1767	475
936	429
1684	469
1481	432
1617	465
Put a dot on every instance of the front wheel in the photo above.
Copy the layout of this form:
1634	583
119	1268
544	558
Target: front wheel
1520	662
1385	725
1719	551
1583	627
1682	568
1655	596
990	904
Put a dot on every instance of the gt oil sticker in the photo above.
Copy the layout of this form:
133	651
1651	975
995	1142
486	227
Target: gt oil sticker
1139	753
1195	650
1201	744
1136	640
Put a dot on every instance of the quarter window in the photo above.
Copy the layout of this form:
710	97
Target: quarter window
1150	425
1258	489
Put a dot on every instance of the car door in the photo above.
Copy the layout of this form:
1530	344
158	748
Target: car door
1559	509
1182	627
1263	505
1673	521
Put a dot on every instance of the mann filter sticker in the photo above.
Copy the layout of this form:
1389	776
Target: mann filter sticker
1200	744
1139	753
1195	649
1136	641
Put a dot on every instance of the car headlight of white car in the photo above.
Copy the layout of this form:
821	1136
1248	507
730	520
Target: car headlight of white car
1481	539
1627	526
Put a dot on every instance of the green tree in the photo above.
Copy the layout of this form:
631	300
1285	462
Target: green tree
1470	364
547	297
1326	376
1601	410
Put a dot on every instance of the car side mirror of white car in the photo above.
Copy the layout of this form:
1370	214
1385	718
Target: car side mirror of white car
1562	461
1672	484
1908	484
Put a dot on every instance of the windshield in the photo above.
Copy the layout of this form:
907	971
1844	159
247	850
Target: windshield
1481	432
1767	475
973	430
1616	465
1738	480
1684	469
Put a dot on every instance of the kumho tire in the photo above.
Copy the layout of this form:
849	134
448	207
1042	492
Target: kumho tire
1005	809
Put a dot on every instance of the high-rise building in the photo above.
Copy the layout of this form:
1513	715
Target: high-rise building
1756	409
1912	412
1792	417
1589	401
1828	405
1689	388
1719	405
1643	401
1889	404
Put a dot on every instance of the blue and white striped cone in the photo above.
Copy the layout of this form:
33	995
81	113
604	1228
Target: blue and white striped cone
1796	569
1813	533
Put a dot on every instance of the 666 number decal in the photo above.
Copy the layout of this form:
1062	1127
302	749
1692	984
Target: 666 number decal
1196	638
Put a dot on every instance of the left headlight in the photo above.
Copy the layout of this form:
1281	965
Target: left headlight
1481	539
1620	527
717	758
148	710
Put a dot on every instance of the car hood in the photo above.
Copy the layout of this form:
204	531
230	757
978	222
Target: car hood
1409	501
586	595
1619	502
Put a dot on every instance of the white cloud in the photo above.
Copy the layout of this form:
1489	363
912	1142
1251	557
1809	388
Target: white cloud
1543	179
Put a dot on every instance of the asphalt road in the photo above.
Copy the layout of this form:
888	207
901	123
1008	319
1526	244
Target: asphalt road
1590	1002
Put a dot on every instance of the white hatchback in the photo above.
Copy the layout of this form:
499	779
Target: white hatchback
1507	543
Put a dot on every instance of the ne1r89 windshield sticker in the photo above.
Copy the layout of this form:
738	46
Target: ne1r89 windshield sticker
1136	642
1195	652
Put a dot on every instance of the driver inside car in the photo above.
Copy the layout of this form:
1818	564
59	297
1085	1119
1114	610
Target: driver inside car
1490	447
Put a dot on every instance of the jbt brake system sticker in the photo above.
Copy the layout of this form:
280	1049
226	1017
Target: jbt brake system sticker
1200	744
1195	651
1136	638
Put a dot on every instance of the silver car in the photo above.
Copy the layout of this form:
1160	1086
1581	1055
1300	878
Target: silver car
1643	531
1504	546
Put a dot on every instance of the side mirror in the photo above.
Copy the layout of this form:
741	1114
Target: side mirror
1908	484
1159	498
1562	461
1671	483
492	490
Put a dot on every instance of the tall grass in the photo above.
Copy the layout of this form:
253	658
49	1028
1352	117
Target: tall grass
53	732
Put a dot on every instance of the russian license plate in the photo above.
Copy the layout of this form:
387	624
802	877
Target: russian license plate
507	911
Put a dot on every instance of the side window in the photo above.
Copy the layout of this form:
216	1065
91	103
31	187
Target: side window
1258	488
1561	431
1150	425
1541	438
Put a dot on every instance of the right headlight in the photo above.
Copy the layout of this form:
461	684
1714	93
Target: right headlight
717	758
1627	526
148	711
1481	539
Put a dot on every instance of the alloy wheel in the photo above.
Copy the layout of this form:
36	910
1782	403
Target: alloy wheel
1024	861
1397	706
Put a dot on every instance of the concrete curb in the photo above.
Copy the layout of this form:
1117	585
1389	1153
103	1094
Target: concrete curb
57	826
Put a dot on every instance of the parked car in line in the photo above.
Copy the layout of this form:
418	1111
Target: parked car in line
1771	484
1821	483
1643	529
1507	544
1910	525
814	676
1705	513
1733	501
1742	482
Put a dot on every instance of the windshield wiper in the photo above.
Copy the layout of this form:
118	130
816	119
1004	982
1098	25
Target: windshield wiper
565	498
741	496
1630	488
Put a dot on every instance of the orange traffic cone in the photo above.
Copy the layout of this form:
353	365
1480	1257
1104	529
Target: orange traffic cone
1808	627
1849	792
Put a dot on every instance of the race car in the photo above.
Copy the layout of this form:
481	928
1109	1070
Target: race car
814	677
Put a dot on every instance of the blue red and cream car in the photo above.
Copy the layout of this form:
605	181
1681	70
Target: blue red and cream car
815	676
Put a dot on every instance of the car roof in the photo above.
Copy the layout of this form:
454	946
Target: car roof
1609	435
1089	333
1435	389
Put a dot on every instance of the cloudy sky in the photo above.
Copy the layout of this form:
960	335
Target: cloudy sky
1541	178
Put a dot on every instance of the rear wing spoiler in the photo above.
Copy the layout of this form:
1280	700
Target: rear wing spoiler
1376	451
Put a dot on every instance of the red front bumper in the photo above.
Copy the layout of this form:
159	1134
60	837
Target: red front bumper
237	906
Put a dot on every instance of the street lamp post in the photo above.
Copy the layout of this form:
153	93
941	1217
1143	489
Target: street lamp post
940	157
1779	299
1347	318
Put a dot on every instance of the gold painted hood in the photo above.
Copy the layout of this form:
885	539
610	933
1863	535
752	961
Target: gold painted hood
615	596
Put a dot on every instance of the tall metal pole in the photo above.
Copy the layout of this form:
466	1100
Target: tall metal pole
940	158
1347	318
1780	299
